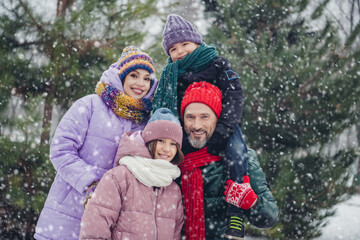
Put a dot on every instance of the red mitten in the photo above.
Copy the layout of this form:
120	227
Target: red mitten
240	195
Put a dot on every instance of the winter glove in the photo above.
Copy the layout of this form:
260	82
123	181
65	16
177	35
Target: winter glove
217	144
240	195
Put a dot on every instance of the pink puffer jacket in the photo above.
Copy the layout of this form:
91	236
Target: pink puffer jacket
124	208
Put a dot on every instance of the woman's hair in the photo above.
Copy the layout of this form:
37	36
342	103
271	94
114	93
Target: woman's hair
178	158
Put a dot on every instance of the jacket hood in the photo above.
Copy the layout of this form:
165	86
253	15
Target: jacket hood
131	144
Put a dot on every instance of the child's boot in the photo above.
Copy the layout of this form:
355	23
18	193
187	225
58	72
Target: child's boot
235	228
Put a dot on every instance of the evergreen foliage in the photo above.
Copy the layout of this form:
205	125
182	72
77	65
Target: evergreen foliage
301	89
26	173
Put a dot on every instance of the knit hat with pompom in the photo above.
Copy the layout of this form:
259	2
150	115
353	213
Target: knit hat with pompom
133	58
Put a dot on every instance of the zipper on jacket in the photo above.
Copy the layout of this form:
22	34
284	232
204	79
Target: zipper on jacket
154	211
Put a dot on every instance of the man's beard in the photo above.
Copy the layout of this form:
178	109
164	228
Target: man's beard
196	142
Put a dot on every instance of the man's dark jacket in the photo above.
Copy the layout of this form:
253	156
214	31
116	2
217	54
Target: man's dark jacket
264	215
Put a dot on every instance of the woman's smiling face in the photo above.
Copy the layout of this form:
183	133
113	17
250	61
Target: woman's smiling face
137	83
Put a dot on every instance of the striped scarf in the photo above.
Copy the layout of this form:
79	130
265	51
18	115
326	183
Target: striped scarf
198	60
123	105
193	192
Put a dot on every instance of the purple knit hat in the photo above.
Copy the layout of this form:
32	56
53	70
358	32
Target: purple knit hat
163	124
176	30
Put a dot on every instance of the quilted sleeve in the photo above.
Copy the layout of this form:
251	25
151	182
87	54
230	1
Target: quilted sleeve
103	209
266	212
67	141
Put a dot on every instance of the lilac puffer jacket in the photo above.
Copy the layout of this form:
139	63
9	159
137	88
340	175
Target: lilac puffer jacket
124	208
82	150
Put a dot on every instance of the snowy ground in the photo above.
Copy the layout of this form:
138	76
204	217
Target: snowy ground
345	224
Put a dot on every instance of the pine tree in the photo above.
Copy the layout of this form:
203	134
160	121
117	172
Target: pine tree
26	174
301	89
50	60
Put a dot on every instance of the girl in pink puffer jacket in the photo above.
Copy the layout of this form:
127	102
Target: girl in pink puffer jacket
139	199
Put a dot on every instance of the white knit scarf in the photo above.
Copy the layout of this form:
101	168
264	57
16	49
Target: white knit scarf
151	172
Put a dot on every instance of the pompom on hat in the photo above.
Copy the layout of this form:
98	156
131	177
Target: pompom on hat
163	124
131	59
176	30
203	92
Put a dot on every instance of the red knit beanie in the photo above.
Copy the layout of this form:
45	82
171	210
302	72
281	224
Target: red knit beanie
203	92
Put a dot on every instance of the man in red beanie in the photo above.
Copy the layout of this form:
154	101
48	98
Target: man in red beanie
204	175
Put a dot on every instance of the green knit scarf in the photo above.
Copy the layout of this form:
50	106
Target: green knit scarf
166	92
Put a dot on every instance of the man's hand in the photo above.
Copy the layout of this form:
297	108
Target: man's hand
240	195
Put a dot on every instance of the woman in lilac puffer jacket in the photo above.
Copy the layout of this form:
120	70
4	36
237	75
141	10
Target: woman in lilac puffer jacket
86	140
138	199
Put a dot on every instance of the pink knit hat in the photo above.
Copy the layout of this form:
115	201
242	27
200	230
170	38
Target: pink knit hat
163	124
203	92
